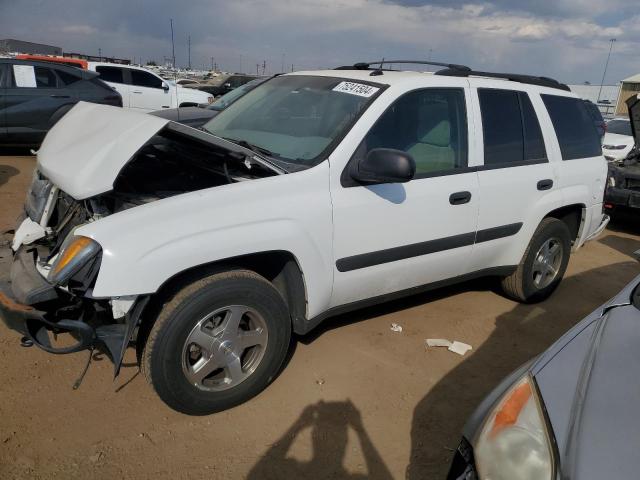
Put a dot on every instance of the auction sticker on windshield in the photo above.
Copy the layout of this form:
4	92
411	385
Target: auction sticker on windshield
353	88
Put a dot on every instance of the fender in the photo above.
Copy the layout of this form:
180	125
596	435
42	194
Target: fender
146	245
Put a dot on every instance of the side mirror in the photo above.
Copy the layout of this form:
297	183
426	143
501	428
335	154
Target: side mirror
165	86
384	165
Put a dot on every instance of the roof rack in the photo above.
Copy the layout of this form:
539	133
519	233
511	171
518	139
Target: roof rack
455	70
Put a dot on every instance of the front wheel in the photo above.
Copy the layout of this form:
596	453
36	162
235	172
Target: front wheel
217	343
543	264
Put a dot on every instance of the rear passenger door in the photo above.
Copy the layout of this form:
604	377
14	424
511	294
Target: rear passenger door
518	183
116	77
147	91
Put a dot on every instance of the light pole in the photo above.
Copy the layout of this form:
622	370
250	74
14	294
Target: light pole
611	42
173	47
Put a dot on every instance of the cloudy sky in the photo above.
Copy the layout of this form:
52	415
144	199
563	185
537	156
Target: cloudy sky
566	39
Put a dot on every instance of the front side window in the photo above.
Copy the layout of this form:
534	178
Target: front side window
510	127
45	78
140	78
111	74
576	132
429	124
296	118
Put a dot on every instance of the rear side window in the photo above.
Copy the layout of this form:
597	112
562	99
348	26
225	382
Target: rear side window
510	126
111	74
574	127
145	79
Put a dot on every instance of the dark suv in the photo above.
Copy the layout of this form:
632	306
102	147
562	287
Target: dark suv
35	95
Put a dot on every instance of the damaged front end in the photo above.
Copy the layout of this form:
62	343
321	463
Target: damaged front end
49	296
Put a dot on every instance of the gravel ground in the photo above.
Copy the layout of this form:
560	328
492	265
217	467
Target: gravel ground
356	399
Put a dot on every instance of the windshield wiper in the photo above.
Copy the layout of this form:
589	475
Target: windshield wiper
251	146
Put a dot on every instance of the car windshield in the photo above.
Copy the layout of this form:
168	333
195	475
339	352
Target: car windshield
225	100
621	127
295	118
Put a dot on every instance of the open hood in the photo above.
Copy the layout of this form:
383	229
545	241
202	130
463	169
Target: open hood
87	150
633	105
83	153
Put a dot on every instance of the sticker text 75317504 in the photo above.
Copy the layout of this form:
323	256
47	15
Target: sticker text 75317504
354	88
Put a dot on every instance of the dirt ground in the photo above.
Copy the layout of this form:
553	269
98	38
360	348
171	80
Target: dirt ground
356	400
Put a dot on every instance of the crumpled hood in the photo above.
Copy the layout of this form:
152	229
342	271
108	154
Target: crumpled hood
84	152
589	384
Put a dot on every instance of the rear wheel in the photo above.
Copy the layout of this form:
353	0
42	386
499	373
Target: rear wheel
543	264
217	343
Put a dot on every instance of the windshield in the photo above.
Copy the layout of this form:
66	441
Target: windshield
225	100
621	127
296	118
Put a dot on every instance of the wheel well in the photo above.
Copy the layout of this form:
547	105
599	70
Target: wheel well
279	267
571	215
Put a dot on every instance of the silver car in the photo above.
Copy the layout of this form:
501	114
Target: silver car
571	412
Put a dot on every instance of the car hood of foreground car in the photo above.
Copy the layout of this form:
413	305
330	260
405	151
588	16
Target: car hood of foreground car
86	150
589	384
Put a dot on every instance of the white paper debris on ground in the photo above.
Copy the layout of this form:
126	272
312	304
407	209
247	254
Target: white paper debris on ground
438	342
459	347
456	347
395	327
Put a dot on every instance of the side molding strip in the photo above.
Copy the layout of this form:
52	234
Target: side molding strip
394	254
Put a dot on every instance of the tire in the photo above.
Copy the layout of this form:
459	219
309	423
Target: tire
190	340
532	281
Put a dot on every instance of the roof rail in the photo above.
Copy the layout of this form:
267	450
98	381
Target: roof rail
455	70
514	77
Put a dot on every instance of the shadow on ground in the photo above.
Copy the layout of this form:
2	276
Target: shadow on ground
6	172
329	423
518	336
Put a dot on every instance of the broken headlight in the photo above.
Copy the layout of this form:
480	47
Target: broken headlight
514	442
74	254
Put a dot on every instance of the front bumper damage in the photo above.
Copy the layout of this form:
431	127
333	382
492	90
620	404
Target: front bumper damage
36	309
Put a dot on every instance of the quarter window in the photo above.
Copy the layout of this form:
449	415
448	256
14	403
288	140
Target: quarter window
576	132
510	127
429	124
110	74
145	79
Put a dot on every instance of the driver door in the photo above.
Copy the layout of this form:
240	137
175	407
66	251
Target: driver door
393	237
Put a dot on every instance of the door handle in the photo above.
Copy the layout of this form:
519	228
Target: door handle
459	198
545	184
136	91
59	96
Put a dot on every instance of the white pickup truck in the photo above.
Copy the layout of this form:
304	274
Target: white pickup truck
314	194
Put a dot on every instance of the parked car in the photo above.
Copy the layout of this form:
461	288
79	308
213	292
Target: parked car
623	181
143	90
34	95
187	81
571	412
314	194
618	141
598	120
223	84
198	116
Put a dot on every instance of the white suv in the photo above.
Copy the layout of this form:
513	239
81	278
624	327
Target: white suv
143	90
314	194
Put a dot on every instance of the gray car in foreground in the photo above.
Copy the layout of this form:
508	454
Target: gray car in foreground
571	412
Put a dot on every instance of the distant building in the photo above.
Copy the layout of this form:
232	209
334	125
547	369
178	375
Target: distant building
630	87
10	45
